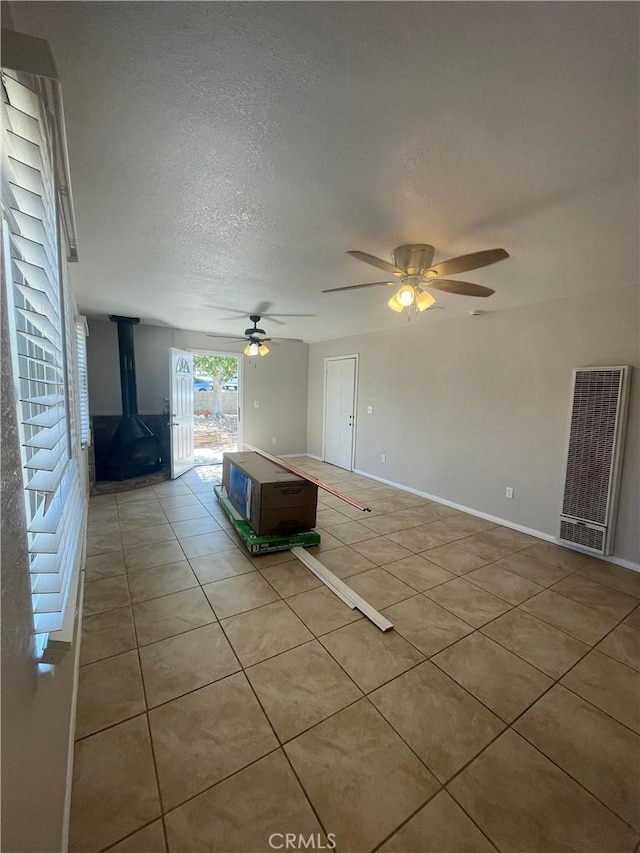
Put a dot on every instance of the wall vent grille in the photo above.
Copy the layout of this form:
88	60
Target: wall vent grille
583	534
594	453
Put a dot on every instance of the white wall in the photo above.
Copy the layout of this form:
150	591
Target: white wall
463	408
278	382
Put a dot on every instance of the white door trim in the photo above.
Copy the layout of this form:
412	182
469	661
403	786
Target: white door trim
327	359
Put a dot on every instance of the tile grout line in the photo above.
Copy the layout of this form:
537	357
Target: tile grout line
148	724
441	790
365	693
281	743
129	835
335	713
474	629
151	739
510	725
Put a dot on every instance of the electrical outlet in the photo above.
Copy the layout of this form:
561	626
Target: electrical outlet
274	440
384	457
509	492
256	404
369	410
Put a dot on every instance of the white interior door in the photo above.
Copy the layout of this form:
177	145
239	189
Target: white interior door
339	411
181	407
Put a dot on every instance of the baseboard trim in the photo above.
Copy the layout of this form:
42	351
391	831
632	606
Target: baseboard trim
619	561
539	534
293	455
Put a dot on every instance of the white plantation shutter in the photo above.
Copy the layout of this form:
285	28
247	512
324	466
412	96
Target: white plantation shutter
41	332
83	379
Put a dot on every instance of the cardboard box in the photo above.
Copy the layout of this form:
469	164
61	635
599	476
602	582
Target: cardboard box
273	501
263	544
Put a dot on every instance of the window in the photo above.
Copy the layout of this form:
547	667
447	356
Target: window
83	379
39	304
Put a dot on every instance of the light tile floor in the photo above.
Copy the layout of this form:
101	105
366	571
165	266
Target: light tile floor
225	700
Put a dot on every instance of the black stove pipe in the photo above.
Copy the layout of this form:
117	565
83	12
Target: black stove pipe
127	363
134	450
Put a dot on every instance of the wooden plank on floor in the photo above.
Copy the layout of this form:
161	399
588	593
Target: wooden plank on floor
341	589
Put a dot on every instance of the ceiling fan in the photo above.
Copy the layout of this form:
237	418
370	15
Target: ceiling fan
412	266
256	338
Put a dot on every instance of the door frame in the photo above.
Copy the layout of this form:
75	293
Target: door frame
356	383
238	355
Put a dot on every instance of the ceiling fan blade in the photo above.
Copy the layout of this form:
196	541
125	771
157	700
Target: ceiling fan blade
356	286
286	340
464	263
228	337
462	288
376	262
261	310
273	318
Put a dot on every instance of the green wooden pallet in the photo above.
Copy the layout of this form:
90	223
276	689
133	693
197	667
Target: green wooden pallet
262	544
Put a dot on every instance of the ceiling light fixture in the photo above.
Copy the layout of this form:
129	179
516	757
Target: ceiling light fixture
255	348
405	296
394	304
424	300
409	295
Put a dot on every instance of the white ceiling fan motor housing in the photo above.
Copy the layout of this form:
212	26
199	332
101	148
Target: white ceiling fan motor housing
413	258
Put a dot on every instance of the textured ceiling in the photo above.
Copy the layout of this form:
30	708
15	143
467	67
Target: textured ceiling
225	155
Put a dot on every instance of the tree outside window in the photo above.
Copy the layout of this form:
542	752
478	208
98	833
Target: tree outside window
219	368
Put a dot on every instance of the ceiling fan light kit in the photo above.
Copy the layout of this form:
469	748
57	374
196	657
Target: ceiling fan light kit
256	338
255	348
411	294
412	265
394	304
424	300
405	296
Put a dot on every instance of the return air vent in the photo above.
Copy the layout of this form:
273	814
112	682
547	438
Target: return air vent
594	455
583	534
